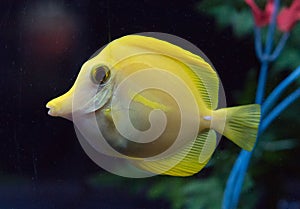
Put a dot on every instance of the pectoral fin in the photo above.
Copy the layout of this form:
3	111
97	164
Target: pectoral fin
98	101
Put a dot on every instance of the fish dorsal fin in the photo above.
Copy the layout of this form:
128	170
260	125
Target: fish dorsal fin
201	72
208	84
190	160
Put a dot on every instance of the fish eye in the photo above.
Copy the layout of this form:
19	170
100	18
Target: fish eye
100	74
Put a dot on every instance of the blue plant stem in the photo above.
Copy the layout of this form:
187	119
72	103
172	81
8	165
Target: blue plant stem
228	193
271	30
260	91
237	175
245	156
236	178
279	108
277	92
279	47
262	82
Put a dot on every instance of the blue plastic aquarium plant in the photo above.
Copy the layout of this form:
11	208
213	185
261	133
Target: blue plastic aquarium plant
270	109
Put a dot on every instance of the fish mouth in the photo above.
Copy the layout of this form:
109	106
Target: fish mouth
51	108
50	111
55	111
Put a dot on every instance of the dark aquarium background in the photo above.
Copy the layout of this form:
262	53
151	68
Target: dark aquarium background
42	47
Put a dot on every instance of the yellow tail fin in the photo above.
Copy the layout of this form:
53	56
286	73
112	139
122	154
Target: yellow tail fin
241	124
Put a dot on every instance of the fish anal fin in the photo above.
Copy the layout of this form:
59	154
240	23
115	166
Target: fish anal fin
186	162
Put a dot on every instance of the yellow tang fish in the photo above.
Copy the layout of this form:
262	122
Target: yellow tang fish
145	96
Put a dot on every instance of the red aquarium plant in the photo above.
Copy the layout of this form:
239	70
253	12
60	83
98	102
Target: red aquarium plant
261	17
288	17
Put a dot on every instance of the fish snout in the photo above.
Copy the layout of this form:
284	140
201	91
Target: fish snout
60	107
52	108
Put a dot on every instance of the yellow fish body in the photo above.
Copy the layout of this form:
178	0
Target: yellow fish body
147	95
